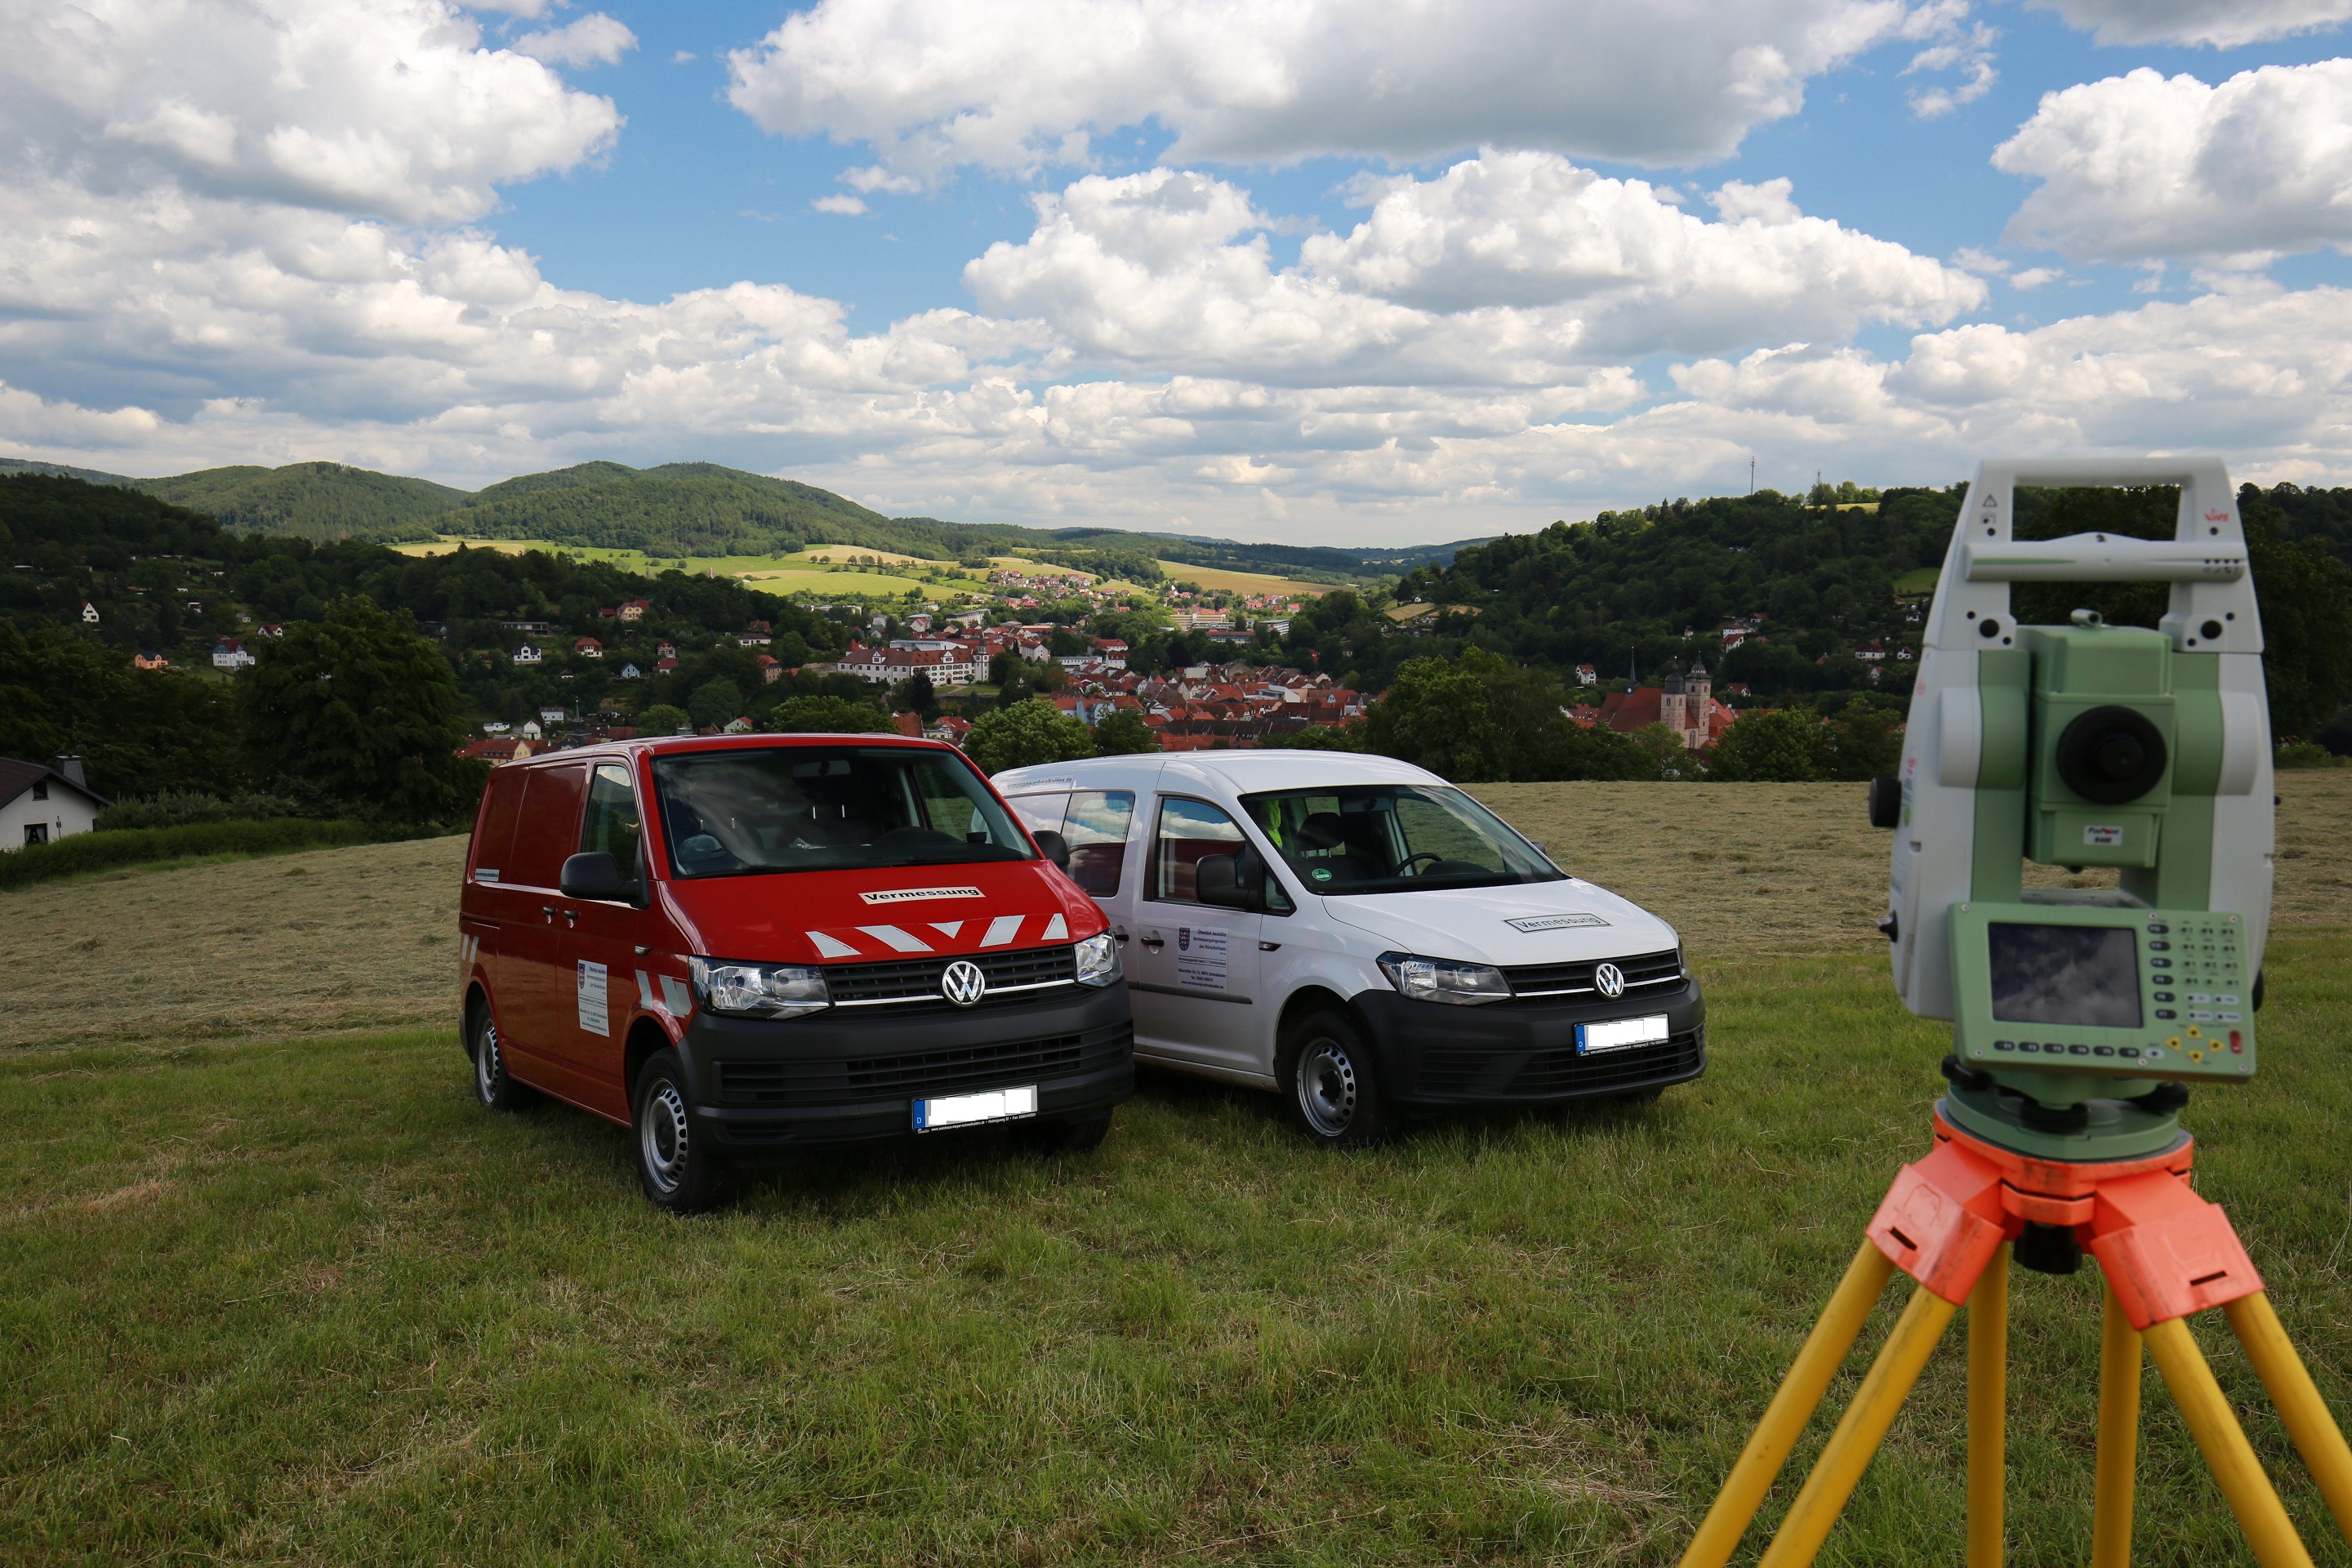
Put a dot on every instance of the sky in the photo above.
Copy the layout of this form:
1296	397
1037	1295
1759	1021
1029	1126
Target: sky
1385	272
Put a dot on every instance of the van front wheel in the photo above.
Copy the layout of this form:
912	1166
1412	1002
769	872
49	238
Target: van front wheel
492	1084
1331	1085
678	1169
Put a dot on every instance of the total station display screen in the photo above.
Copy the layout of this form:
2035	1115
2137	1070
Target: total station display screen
2085	977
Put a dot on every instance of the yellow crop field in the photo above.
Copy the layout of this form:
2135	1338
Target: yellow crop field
1224	582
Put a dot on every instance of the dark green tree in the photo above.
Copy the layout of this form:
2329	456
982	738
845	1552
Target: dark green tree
139	733
916	694
357	709
1024	735
1436	717
662	718
822	715
1863	740
1768	746
1323	738
1122	733
715	704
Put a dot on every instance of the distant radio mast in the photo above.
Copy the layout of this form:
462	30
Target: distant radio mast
1752	473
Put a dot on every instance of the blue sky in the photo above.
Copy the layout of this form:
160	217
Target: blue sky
696	196
1371	271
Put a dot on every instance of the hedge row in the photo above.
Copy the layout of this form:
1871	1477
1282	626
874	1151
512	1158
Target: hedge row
81	852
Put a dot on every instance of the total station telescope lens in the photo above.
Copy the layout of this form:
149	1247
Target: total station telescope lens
2111	755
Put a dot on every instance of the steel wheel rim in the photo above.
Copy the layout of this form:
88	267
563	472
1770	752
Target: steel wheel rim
661	1136
487	1066
1327	1087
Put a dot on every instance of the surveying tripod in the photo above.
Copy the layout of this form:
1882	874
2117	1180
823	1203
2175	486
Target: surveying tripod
1948	1222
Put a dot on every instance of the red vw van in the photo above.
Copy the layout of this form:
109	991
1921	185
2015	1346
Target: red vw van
743	946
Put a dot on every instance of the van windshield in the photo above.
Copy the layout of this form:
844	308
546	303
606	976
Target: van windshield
827	808
1394	838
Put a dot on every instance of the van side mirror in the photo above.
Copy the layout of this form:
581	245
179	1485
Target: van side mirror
596	876
1230	881
1054	847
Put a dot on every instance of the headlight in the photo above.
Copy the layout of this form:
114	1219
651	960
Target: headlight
1098	960
1443	979
758	990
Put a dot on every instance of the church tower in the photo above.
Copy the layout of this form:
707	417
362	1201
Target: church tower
1698	704
1671	705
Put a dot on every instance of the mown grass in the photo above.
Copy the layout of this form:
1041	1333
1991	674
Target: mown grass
298	1299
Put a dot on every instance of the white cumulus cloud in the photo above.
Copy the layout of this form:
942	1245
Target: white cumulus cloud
1511	268
2225	24
2144	166
594	39
1022	83
381	106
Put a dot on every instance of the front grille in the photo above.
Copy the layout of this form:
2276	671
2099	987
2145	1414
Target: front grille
912	985
1648	974
919	1075
1466	1072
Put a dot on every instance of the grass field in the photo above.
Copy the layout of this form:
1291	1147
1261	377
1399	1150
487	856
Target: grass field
282	1294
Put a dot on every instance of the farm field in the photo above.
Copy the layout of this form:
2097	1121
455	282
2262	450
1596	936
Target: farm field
819	571
1223	580
279	1290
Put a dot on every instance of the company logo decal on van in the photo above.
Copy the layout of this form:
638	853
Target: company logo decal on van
1556	923
904	895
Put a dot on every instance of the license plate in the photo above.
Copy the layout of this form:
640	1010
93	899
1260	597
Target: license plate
1619	1032
971	1109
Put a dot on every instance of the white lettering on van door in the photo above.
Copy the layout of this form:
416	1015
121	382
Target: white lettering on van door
595	1015
1201	958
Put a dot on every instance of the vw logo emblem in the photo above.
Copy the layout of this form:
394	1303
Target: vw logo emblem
962	983
1609	981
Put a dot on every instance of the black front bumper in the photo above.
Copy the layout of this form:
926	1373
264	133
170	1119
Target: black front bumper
769	1086
1433	1055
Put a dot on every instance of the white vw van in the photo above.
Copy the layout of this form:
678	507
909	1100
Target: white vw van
1363	937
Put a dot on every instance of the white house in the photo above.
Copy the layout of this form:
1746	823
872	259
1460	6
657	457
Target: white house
230	653
629	672
526	654
89	612
40	802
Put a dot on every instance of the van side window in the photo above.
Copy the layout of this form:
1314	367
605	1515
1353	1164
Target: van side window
549	825
1096	829
1190	832
494	840
610	823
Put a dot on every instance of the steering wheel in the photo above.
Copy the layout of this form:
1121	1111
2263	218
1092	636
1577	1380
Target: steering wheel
1404	867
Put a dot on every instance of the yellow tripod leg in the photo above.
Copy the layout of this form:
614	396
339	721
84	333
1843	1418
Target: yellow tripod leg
1799	1391
2111	1490
1987	1409
1860	1431
2317	1436
2223	1442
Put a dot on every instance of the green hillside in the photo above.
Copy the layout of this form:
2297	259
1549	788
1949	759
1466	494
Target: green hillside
318	501
677	510
27	466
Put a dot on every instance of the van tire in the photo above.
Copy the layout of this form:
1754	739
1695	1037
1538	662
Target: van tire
677	1163
1331	1083
493	1085
1068	1135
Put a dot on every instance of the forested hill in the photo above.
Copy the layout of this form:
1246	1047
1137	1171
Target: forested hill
686	509
317	501
1627	585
